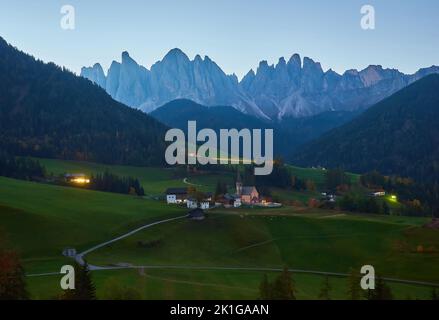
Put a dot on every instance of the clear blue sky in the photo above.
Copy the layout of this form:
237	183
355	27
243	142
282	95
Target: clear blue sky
237	34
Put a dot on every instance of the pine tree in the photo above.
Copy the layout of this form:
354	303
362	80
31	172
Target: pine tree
325	290
265	289
84	287
283	287
434	295
354	292
381	292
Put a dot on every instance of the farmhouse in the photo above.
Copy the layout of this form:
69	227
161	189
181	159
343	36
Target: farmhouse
181	195
232	200
204	203
378	193
176	195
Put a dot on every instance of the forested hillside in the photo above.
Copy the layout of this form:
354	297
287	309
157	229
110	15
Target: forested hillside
47	111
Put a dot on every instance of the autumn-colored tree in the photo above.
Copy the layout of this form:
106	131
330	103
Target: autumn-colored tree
191	190
313	203
310	185
12	277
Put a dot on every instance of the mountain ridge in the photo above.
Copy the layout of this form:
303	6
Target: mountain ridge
289	133
294	88
398	135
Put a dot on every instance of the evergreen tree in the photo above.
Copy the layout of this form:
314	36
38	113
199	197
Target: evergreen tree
265	289
220	189
283	287
434	295
354	292
381	292
325	290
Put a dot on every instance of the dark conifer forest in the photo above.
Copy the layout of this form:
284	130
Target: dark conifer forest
47	111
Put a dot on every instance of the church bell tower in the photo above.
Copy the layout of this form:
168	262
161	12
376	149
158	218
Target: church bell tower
238	184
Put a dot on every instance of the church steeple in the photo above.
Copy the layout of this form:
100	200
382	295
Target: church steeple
238	184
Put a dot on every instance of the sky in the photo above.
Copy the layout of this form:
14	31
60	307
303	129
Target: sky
236	34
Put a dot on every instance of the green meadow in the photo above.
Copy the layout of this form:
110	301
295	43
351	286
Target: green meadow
320	243
40	220
317	175
168	284
154	180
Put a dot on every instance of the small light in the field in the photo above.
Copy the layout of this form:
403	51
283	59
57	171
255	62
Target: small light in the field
81	180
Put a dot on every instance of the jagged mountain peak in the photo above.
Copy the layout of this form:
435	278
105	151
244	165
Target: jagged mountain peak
295	88
281	62
176	54
295	60
198	58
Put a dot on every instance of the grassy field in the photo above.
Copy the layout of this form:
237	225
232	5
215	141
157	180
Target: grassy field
317	175
40	220
166	284
301	242
154	180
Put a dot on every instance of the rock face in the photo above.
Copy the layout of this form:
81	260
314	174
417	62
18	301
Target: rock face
95	74
287	89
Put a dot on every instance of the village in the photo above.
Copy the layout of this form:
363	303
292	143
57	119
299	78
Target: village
197	202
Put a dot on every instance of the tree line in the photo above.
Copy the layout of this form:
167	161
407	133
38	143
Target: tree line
283	287
109	182
20	168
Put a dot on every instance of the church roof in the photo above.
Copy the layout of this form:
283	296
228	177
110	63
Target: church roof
246	191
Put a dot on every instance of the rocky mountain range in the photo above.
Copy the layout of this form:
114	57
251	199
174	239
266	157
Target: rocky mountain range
293	88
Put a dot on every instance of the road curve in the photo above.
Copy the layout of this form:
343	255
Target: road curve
80	256
80	259
191	184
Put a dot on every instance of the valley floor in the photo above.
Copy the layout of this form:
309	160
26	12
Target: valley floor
185	257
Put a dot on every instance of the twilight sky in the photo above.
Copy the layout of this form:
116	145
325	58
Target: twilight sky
236	34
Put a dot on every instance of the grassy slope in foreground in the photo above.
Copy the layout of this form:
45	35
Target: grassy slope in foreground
41	220
314	242
205	285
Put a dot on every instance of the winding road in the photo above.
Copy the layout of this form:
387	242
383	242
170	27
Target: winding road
191	184
80	258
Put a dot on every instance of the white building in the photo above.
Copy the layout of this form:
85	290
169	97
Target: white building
380	193
204	205
192	203
176	195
